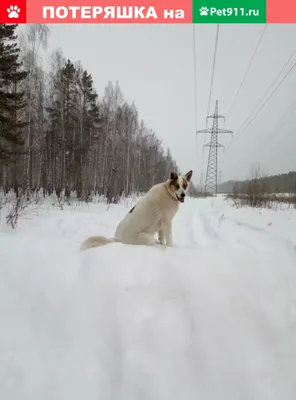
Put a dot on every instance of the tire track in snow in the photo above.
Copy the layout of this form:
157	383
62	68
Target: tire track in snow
253	238
192	229
216	228
208	231
273	236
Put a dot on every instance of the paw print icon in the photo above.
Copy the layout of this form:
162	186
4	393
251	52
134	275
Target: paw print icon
13	12
204	11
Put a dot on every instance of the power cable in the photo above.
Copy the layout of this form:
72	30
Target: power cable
248	121
195	82
247	71
213	67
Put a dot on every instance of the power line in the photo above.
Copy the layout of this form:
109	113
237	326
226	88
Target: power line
195	85
248	120
271	94
213	67
268	89
279	124
247	70
194	74
212	82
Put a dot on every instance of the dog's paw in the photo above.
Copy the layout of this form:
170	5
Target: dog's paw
169	244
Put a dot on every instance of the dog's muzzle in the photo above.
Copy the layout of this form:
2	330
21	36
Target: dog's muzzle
181	198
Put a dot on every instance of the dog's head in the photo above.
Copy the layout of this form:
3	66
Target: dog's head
178	185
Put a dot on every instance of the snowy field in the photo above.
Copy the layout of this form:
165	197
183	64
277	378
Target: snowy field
213	318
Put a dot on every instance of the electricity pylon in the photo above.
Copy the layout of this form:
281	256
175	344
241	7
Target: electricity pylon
212	168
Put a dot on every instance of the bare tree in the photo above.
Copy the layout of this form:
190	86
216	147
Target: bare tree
34	39
75	141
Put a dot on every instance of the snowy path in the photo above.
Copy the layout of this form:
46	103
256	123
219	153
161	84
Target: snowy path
212	318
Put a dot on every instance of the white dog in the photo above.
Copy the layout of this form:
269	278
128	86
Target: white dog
152	214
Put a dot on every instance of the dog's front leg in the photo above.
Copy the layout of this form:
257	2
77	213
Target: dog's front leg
161	237
169	241
168	234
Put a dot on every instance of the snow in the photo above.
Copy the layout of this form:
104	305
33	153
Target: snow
212	318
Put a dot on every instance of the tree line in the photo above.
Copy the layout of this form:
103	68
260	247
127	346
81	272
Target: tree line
282	183
58	136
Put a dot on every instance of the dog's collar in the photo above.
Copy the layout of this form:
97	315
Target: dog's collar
169	192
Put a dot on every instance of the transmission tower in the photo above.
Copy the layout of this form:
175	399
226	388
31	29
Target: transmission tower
212	168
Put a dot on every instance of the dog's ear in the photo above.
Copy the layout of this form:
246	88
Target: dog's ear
173	176
188	175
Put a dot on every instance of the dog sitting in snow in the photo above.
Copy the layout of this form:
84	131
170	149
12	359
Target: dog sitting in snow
152	214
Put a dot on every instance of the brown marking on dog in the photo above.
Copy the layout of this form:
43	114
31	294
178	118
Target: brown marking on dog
184	184
174	185
132	210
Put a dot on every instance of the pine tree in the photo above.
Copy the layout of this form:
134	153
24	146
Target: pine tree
89	133
74	140
11	95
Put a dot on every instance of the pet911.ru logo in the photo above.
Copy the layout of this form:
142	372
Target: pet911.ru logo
227	12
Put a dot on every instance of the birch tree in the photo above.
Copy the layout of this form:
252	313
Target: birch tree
33	40
64	137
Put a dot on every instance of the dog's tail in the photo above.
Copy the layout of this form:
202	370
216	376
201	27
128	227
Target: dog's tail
95	241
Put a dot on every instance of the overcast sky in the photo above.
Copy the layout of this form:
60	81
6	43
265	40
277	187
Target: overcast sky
154	67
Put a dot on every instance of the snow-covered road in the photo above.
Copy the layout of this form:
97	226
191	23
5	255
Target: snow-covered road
212	318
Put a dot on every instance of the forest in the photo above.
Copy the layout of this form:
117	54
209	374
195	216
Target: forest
282	183
59	135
